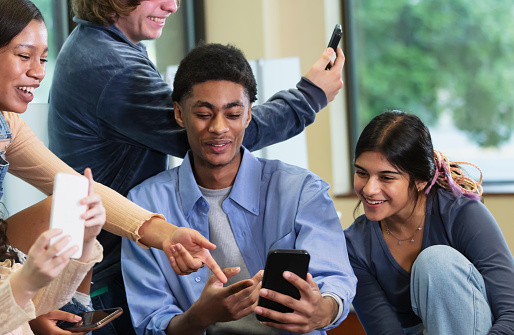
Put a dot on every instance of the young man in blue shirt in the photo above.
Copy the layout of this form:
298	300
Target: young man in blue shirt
243	204
108	107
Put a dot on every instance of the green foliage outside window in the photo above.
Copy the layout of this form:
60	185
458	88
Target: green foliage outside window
430	57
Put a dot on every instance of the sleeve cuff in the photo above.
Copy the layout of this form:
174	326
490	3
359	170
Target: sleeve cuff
339	302
314	95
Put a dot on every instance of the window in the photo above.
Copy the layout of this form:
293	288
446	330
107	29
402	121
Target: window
56	20
450	63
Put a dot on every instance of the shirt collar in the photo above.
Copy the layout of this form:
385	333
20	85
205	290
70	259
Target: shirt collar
113	29
245	191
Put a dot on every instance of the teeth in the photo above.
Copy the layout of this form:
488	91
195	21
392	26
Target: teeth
218	145
157	19
374	202
27	89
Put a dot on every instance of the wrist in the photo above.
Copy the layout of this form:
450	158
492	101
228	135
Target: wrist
198	316
21	289
189	322
155	231
87	251
331	310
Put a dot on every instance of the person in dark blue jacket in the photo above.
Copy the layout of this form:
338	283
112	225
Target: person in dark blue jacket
428	255
110	109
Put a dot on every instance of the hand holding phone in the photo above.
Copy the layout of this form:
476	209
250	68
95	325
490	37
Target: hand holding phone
334	41
278	261
93	320
66	209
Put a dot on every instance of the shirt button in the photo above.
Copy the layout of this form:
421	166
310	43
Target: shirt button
197	279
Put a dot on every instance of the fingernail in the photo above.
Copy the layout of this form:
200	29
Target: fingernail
287	274
263	292
258	310
330	50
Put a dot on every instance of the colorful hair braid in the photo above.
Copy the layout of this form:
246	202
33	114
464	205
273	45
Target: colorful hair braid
449	176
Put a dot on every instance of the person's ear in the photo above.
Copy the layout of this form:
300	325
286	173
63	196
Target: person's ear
420	185
249	117
179	114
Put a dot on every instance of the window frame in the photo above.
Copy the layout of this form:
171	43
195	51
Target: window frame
497	187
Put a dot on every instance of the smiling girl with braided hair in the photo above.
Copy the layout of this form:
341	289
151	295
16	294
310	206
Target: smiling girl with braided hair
428	255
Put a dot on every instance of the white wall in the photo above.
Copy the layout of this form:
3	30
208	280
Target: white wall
18	194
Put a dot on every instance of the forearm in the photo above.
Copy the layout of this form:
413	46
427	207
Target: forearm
27	154
188	322
21	291
314	95
283	116
61	289
154	231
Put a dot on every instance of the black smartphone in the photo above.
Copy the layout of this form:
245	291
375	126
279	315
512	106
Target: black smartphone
334	40
278	261
93	320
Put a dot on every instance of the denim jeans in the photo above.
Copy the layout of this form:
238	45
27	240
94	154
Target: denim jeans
448	294
74	307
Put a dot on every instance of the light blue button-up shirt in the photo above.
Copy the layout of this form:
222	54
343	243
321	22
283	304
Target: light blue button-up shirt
272	205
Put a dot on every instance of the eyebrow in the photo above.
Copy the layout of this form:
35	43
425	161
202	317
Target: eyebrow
29	46
385	171
201	103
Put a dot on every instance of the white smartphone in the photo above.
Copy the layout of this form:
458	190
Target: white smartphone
66	209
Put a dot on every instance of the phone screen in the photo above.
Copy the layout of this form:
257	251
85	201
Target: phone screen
278	261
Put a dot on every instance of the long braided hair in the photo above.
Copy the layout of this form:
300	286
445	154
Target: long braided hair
450	176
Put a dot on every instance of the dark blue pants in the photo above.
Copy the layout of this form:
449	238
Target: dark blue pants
114	297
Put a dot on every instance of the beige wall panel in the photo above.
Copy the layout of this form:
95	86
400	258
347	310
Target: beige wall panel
237	22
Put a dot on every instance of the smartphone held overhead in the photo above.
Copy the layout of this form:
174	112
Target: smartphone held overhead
334	40
278	261
66	209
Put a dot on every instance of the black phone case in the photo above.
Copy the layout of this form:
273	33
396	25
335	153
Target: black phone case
93	320
336	37
334	40
278	261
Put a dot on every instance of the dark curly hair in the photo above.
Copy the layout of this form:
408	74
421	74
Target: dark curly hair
5	252
213	62
15	16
